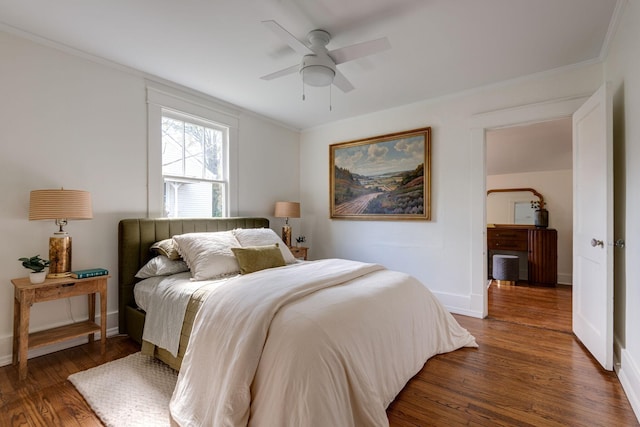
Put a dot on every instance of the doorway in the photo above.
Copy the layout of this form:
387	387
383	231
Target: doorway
478	125
539	156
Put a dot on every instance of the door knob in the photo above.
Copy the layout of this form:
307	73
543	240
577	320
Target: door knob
595	242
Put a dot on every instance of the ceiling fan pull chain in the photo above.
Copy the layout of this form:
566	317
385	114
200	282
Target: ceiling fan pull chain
303	98
330	99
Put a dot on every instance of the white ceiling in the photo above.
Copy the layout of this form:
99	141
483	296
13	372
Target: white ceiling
545	146
220	47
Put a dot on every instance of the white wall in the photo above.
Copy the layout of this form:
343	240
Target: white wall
622	69
557	189
268	154
441	252
67	121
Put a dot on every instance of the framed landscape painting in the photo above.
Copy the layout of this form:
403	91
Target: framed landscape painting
387	177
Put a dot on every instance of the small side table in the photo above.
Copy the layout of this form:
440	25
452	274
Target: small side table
26	294
299	252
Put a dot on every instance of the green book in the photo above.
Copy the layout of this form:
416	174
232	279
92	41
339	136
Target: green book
91	272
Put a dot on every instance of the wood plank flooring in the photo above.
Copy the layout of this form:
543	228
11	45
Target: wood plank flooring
529	370
525	373
546	307
46	398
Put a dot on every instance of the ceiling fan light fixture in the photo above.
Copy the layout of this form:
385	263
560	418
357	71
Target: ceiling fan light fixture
318	66
317	75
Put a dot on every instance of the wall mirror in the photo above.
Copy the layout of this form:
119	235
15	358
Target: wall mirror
511	206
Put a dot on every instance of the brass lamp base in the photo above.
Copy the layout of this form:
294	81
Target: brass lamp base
59	256
286	235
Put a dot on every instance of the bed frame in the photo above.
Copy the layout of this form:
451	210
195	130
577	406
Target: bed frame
135	237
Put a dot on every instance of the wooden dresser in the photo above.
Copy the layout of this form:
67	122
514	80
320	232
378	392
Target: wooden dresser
539	244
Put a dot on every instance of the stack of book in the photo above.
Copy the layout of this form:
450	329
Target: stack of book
91	272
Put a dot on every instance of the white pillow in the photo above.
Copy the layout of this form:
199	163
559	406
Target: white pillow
161	266
263	237
208	255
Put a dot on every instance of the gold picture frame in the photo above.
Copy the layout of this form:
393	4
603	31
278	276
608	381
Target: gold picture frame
386	177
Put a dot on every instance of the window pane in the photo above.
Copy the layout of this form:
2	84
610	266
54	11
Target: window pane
192	157
194	152
172	146
193	199
214	149
212	158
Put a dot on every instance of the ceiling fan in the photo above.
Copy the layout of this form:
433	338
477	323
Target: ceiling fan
318	66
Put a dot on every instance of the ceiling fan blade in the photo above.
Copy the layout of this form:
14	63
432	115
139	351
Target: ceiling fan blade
341	82
288	38
286	71
359	50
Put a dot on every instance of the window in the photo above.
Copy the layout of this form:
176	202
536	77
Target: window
192	154
193	167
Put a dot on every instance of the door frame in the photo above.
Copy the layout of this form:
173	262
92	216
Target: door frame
479	124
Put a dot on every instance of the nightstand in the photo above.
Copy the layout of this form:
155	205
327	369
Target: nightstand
26	294
299	252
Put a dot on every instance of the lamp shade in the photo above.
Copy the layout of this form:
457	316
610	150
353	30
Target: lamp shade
60	204
287	210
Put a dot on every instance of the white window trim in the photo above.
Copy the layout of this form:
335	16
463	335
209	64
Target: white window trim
163	97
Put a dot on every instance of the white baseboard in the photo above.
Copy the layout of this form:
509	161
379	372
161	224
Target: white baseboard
461	304
565	279
629	376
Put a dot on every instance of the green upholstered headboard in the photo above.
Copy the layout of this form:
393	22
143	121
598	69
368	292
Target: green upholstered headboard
135	237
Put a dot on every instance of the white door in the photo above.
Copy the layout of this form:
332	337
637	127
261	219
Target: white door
593	226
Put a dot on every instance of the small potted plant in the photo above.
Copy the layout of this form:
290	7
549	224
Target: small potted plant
541	215
36	264
300	240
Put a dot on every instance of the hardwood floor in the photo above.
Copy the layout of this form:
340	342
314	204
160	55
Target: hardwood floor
46	398
528	371
546	307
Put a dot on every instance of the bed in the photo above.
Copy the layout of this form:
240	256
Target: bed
327	342
135	238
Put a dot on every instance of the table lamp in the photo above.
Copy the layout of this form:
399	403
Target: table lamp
287	210
61	206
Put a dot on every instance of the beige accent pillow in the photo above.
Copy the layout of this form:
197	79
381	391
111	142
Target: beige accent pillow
162	266
256	258
208	255
262	237
166	247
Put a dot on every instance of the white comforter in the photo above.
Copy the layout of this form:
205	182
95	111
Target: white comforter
324	343
166	305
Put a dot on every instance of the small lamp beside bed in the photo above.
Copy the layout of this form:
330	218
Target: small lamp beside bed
287	210
60	205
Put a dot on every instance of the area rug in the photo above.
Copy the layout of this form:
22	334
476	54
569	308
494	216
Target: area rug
132	391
